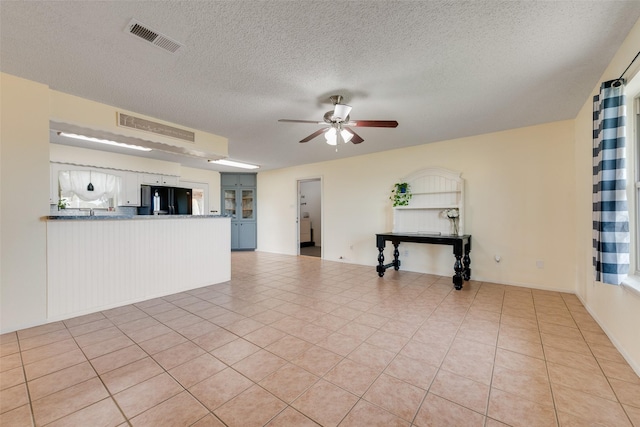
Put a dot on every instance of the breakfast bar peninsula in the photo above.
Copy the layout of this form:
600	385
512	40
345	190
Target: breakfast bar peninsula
100	262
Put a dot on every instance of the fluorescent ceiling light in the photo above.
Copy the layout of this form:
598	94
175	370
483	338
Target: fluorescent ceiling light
104	141
234	164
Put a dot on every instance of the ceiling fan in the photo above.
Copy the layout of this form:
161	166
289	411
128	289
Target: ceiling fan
338	124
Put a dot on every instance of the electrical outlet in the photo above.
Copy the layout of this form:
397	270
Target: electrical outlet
540	264
405	252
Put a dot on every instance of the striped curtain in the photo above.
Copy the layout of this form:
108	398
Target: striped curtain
610	214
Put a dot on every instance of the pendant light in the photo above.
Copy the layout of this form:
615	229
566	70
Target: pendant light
90	186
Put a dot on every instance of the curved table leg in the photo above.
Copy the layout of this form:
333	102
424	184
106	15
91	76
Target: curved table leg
396	255
380	268
467	263
457	278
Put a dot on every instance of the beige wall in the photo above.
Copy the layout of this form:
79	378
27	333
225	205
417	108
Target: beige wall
69	110
616	309
24	199
520	204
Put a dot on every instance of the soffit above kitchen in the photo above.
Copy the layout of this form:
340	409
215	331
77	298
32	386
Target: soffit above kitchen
442	69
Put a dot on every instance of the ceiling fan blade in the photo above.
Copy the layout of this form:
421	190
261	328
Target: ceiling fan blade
356	139
313	135
374	123
315	122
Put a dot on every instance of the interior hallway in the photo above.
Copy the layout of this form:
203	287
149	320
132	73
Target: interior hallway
315	251
300	341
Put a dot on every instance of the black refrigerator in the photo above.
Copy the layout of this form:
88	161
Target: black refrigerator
158	200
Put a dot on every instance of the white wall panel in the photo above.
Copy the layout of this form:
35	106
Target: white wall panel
99	264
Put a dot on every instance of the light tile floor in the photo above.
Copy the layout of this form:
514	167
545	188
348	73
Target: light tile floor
299	341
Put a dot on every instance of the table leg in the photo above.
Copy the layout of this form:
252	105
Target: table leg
380	268
396	254
467	263
457	277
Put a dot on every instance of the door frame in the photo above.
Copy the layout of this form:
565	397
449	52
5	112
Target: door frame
299	199
198	184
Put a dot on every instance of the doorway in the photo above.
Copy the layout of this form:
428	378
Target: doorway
199	196
310	217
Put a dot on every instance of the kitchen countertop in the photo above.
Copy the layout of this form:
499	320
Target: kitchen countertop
126	217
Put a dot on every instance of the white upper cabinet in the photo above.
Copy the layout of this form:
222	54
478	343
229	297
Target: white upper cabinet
238	179
154	179
129	189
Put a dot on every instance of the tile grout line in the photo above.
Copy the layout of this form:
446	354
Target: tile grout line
546	364
26	382
303	296
606	377
100	378
494	361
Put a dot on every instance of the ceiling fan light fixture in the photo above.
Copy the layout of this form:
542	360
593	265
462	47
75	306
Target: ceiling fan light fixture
333	137
346	135
336	120
341	112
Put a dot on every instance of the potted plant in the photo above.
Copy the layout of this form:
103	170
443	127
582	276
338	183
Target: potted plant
400	194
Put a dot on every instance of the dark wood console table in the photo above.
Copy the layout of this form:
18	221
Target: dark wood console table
461	248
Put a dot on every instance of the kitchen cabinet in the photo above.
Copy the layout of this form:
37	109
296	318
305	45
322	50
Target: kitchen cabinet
155	179
129	194
238	180
239	202
243	235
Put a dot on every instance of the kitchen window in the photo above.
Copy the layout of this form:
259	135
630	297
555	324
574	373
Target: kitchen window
632	91
87	189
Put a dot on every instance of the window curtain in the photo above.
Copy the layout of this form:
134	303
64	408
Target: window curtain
105	186
610	214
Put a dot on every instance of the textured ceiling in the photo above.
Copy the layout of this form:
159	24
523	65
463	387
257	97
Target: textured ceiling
442	69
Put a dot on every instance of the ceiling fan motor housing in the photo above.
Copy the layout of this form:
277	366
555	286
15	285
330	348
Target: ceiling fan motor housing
332	118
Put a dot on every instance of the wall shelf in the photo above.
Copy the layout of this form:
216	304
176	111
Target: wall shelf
443	207
433	190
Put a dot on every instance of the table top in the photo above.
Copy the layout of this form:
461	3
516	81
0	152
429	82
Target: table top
423	235
437	238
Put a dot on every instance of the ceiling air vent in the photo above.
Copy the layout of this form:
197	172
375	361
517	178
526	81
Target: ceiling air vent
128	121
137	28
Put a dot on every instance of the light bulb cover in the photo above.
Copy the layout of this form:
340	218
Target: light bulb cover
346	135
331	136
234	164
341	112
